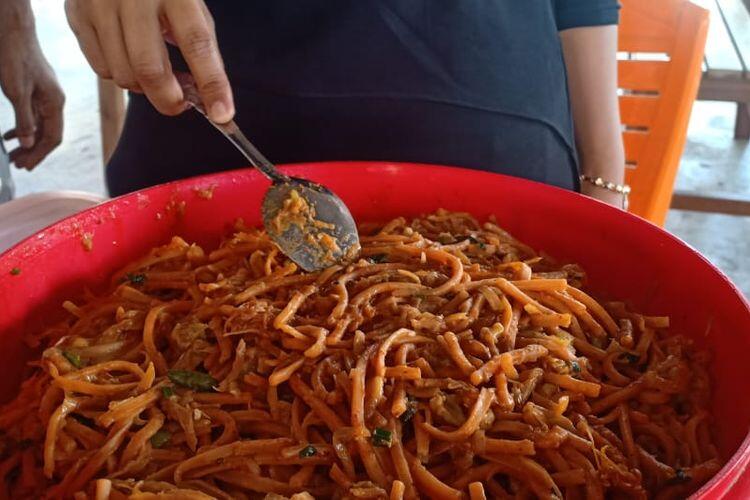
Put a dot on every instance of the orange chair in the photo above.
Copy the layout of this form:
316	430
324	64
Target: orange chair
663	41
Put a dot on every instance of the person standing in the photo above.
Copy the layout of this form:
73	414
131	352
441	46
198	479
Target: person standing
493	85
29	83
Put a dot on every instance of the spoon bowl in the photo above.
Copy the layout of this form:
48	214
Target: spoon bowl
309	223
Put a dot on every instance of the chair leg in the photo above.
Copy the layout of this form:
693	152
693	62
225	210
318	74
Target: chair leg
742	124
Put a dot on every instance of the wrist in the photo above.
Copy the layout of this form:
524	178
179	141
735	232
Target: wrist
602	188
607	175
16	17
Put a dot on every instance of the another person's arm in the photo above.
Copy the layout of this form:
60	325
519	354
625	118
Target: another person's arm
124	40
589	41
29	83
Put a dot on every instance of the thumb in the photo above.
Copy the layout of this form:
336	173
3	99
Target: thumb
25	122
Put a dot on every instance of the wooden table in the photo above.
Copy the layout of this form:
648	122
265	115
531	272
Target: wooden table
726	69
726	77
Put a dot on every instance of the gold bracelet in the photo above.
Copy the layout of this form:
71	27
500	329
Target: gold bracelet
622	189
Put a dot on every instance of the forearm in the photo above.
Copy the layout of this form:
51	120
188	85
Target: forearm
591	60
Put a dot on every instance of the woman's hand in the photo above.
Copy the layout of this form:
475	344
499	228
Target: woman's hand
30	85
124	40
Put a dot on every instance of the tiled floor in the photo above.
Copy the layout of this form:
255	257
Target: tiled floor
713	160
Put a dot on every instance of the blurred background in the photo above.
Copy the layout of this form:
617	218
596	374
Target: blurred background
715	163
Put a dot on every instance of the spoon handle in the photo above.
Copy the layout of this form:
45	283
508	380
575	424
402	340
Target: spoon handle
231	131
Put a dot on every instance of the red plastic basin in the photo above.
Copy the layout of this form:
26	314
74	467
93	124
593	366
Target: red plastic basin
625	257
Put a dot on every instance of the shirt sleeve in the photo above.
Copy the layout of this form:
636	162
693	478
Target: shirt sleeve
580	13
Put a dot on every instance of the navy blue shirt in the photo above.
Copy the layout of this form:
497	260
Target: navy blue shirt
474	83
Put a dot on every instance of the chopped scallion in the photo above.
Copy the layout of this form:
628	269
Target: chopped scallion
308	451
382	437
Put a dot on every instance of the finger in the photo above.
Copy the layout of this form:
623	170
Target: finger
25	122
49	136
19	157
207	15
13	155
149	59
167	32
87	39
197	42
107	26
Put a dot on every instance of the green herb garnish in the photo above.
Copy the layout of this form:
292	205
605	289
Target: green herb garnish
15	271
411	409
73	358
476	242
631	358
379	258
382	437
308	451
167	392
575	367
198	381
88	422
136	278
161	438
680	476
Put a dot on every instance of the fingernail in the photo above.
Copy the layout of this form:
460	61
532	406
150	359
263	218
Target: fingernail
27	141
219	112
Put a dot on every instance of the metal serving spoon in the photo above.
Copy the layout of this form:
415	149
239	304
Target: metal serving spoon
310	224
